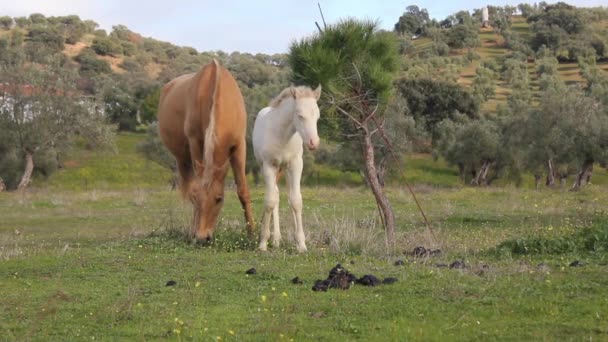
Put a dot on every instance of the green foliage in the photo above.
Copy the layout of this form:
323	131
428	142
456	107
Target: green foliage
106	46
412	21
120	107
6	22
90	26
149	106
568	31
153	149
463	36
90	65
130	65
527	10
22	22
43	42
567	128
560	15
434	101
483	84
128	49
468	144
101	33
37	18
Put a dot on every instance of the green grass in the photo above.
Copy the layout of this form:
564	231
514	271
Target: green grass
94	265
87	169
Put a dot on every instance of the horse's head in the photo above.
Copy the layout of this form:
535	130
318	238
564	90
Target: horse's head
306	115
207	195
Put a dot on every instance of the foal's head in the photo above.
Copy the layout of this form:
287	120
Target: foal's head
306	114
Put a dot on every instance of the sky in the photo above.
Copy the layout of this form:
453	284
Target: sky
254	26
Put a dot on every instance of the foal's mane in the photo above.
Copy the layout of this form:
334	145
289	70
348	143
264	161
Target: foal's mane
300	92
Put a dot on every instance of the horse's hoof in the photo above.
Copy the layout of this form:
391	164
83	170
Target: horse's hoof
302	249
263	248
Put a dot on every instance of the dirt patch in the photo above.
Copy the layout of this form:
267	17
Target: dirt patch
70	164
114	63
72	50
153	70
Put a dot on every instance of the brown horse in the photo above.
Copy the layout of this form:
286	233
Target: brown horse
202	121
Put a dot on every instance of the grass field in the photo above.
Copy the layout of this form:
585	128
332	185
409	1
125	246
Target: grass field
89	259
94	265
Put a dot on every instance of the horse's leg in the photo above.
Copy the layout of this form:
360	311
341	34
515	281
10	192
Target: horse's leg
271	200
195	169
196	155
184	174
294	174
237	160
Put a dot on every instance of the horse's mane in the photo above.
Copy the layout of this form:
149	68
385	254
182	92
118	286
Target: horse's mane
300	92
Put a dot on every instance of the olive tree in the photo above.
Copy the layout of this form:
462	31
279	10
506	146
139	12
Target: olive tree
41	115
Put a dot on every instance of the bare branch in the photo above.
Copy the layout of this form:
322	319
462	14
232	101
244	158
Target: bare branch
322	17
349	116
319	27
372	114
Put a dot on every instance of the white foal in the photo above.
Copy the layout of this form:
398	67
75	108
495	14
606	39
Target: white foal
278	135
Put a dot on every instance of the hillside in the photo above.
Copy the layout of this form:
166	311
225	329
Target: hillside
124	70
492	48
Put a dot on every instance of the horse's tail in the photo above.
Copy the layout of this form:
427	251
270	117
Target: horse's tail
210	136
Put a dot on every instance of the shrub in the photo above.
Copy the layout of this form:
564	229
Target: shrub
106	46
594	239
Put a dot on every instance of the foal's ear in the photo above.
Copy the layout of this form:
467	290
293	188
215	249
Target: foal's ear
317	92
292	91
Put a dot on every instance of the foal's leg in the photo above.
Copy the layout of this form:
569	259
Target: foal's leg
237	160
271	200
276	233
294	174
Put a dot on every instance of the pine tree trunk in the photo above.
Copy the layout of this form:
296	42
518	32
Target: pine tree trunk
27	173
386	210
2	185
584	175
551	174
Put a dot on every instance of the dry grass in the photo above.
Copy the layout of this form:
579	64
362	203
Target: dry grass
114	63
72	50
153	69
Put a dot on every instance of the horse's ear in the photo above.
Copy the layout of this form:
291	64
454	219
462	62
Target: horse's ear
317	92
292	91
